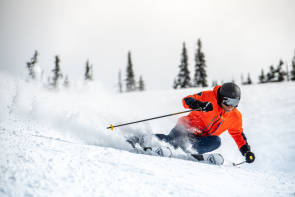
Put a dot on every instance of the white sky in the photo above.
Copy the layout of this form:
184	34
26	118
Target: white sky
238	36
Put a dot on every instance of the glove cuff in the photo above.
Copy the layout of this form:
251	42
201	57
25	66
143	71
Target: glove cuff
189	100
244	149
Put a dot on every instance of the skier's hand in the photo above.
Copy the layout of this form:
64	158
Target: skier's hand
196	104
250	157
246	152
206	106
192	103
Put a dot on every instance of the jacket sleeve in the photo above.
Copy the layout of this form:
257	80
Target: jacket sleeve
236	131
239	137
195	97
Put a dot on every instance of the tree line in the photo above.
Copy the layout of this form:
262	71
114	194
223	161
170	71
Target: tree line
182	80
55	80
279	73
57	75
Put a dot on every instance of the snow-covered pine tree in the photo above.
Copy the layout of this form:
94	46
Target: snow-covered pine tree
262	77
88	72
57	74
141	85
183	79
31	65
130	79
292	73
200	77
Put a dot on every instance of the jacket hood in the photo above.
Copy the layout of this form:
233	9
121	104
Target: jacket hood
216	93
215	90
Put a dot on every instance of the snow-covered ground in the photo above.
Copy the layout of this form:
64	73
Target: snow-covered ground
57	144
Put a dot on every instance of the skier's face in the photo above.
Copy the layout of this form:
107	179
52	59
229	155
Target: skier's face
227	108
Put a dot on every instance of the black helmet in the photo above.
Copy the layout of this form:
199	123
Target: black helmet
230	90
229	94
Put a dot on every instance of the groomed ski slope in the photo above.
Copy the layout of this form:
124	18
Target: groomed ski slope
56	144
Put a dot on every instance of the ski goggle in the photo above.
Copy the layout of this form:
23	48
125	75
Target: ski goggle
234	102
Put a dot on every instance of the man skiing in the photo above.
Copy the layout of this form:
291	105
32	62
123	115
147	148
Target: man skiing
216	112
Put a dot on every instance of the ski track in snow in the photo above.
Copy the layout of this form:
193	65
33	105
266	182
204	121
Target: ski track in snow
56	144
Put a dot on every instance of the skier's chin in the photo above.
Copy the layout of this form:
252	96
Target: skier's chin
227	108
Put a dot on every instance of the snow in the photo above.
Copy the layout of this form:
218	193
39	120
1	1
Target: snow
55	143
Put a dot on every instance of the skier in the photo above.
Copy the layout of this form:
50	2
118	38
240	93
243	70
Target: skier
202	128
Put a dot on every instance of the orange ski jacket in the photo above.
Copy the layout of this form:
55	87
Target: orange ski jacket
214	122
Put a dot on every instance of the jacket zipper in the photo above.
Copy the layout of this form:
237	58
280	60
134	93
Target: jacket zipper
208	131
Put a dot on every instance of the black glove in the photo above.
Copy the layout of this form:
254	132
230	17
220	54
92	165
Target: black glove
206	106
246	152
196	104
250	157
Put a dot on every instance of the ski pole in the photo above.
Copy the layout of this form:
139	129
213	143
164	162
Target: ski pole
119	125
236	164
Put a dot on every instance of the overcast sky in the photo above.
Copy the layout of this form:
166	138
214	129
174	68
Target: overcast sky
239	36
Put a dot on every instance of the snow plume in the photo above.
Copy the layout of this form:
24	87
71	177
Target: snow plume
80	113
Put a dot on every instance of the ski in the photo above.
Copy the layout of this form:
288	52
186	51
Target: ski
209	158
138	146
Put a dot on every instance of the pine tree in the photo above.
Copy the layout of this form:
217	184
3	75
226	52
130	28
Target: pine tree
183	79
271	75
31	65
56	73
262	77
280	73
176	83
88	72
120	82
130	79
292	73
249	80
141	85
200	77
